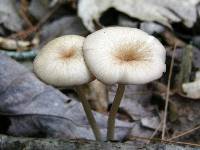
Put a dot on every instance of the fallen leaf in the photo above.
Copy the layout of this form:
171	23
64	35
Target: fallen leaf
34	107
151	122
188	117
9	16
140	131
97	95
126	21
152	27
38	8
62	26
136	101
164	12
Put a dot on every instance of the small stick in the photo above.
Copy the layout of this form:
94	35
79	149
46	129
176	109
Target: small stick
23	12
167	94
35	28
165	141
113	112
88	112
184	133
155	132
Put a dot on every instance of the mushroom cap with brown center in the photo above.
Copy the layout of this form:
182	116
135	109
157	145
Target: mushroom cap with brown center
124	55
60	62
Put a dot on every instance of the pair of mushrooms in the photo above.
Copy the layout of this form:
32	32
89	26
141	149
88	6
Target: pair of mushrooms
113	55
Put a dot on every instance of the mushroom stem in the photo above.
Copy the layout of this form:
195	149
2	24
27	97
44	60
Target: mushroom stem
89	115
113	112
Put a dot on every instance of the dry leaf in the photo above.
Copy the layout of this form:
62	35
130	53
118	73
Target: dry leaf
9	16
135	102
164	12
98	96
151	122
34	108
62	26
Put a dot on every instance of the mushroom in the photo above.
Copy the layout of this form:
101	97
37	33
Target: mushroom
123	55
60	63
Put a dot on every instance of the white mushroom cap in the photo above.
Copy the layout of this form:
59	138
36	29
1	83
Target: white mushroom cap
60	62
124	55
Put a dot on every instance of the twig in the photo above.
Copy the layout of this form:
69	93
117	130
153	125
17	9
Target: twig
35	28
23	12
23	34
155	132
167	93
184	133
165	141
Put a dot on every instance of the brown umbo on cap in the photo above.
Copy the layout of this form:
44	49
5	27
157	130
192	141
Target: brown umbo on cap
124	55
